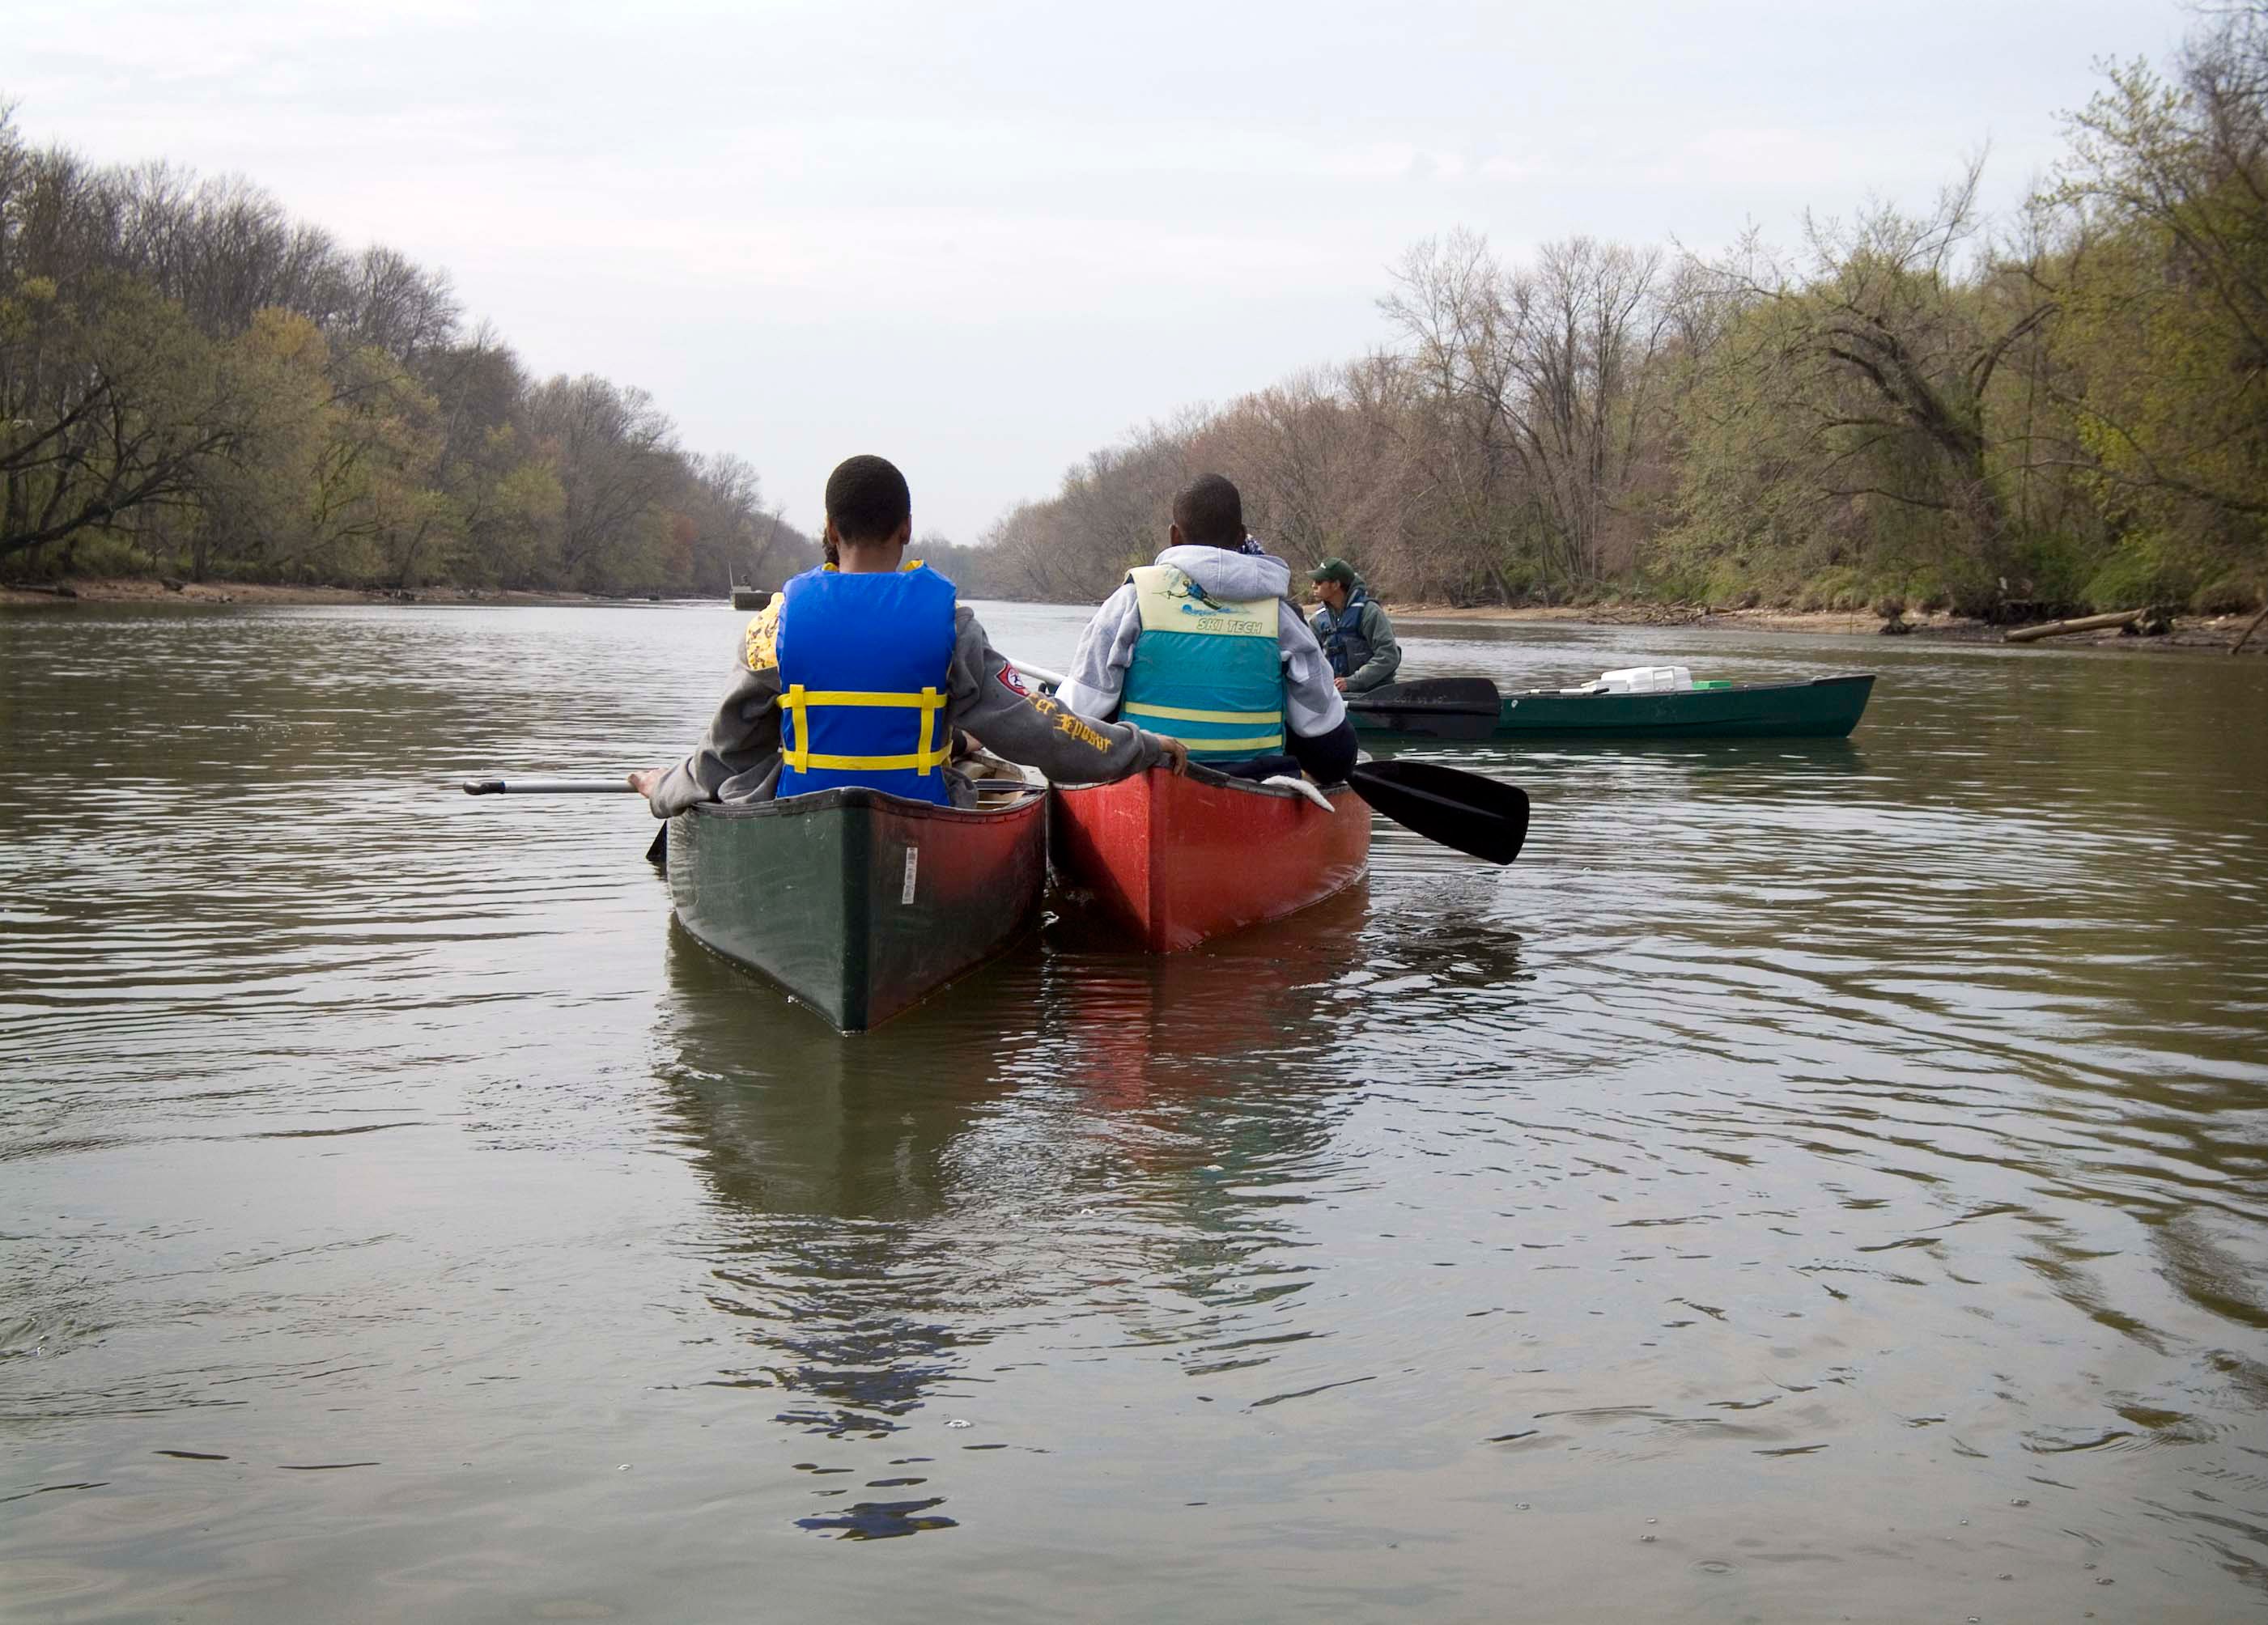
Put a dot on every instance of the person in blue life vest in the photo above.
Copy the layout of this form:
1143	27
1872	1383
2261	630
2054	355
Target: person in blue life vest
859	672
1205	644
1356	635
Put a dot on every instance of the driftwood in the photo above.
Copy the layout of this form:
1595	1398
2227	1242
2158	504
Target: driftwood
65	590
2237	647
2085	623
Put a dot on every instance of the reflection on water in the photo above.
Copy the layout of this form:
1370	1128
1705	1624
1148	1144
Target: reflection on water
1819	1178
1019	1156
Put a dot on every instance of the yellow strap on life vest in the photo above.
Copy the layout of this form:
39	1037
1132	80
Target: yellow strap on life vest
1184	713
1241	742
797	702
1187	713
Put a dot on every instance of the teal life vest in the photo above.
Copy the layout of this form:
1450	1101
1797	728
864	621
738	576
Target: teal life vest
1207	671
863	665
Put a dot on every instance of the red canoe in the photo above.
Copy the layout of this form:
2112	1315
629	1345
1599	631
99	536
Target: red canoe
1178	860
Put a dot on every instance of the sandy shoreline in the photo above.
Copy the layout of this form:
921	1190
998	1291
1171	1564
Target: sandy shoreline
2191	632
1671	615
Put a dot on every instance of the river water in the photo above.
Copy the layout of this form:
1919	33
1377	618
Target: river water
1818	1181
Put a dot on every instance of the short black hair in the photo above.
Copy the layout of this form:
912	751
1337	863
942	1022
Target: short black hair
867	498
1210	512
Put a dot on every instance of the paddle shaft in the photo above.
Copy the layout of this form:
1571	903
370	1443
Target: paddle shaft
546	787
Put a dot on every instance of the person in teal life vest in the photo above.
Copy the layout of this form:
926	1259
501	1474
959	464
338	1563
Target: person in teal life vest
1205	644
1353	630
859	672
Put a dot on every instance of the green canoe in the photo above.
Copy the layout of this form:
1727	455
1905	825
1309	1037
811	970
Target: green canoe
1470	709
858	903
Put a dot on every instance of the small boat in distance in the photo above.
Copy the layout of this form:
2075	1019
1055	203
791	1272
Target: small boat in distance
1178	859
1471	709
858	903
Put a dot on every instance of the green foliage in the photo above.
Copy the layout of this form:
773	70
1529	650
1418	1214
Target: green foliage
2229	595
2068	411
2142	573
291	413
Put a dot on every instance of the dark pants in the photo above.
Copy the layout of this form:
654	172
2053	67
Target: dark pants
1324	757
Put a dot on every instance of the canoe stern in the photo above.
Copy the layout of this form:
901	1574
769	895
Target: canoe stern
858	903
1178	860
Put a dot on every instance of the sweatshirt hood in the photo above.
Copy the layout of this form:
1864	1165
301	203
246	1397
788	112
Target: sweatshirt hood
1223	574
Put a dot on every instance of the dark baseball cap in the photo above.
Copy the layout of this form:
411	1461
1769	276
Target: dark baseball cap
1334	569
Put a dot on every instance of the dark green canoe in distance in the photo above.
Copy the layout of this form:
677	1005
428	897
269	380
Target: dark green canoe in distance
1452	710
860	904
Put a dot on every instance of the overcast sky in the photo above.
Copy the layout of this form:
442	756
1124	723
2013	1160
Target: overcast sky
984	240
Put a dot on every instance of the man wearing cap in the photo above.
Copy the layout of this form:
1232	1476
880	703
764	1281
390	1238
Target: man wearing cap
1353	630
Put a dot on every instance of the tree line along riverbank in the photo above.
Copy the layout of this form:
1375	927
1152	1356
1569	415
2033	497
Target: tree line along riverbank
1913	412
194	384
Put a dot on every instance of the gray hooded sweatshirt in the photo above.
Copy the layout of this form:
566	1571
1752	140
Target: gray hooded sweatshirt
1312	705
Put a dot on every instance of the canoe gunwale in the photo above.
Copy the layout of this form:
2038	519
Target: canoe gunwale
1671	694
1200	773
858	796
1813	708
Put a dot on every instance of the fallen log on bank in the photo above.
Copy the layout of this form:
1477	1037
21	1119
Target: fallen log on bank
2237	648
2085	623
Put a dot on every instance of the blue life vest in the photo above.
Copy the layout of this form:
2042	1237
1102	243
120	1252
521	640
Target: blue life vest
1342	637
1207	671
863	665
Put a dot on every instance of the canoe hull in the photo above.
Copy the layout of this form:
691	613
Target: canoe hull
1825	708
1175	861
858	903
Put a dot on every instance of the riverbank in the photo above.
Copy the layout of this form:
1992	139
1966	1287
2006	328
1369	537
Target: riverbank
2207	633
140	590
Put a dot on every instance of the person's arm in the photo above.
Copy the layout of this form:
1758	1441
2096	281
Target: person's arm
1312	705
990	700
738	758
1385	653
1097	678
1320	737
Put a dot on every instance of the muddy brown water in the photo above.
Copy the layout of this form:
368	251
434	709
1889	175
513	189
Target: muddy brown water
1817	1181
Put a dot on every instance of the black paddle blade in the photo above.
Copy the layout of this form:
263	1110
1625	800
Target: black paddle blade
1437	708
658	854
1456	693
1430	721
1484	817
